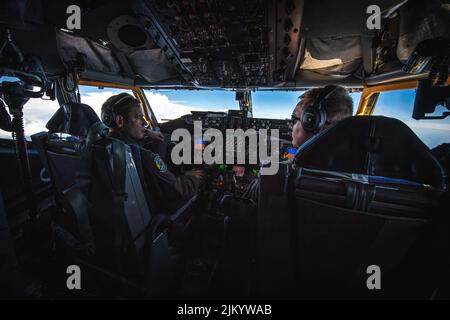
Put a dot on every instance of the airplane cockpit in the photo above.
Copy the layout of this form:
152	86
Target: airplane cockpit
223	203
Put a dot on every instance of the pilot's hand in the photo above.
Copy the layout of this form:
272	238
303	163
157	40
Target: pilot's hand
197	173
155	135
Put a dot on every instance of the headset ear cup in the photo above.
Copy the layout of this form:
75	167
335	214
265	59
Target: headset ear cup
109	115
107	118
314	117
310	119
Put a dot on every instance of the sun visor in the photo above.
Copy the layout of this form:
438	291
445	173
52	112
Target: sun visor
152	65
332	55
98	57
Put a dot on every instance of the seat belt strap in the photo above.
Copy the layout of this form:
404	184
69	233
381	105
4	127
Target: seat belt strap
119	197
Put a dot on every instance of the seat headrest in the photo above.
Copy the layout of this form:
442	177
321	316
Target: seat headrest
374	146
73	118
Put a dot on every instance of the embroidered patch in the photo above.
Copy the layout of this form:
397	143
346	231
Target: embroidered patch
160	164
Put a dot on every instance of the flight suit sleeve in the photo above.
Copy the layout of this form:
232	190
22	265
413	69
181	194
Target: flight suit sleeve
165	183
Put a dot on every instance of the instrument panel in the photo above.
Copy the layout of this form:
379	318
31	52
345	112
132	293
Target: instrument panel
232	180
234	119
222	43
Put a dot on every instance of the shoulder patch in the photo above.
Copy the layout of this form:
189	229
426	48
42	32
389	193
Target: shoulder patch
159	163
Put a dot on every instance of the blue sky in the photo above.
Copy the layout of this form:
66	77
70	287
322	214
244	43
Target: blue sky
266	104
279	105
400	105
170	104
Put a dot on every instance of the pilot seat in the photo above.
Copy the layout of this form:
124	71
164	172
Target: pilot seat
107	221
356	216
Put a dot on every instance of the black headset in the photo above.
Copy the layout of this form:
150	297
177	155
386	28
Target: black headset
109	114
314	117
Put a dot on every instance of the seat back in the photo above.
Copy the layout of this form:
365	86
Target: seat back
362	194
335	239
83	169
60	155
274	254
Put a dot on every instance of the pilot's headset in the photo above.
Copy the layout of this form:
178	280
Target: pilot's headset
109	114
314	116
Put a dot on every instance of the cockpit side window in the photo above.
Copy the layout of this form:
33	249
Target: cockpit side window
400	103
36	113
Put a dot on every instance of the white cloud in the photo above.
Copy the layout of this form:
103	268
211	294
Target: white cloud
429	125
5	135
164	108
36	114
37	111
96	99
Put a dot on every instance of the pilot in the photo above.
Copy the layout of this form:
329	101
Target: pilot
317	109
122	113
335	104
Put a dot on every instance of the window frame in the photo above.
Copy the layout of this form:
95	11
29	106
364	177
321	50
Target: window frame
370	94
138	93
